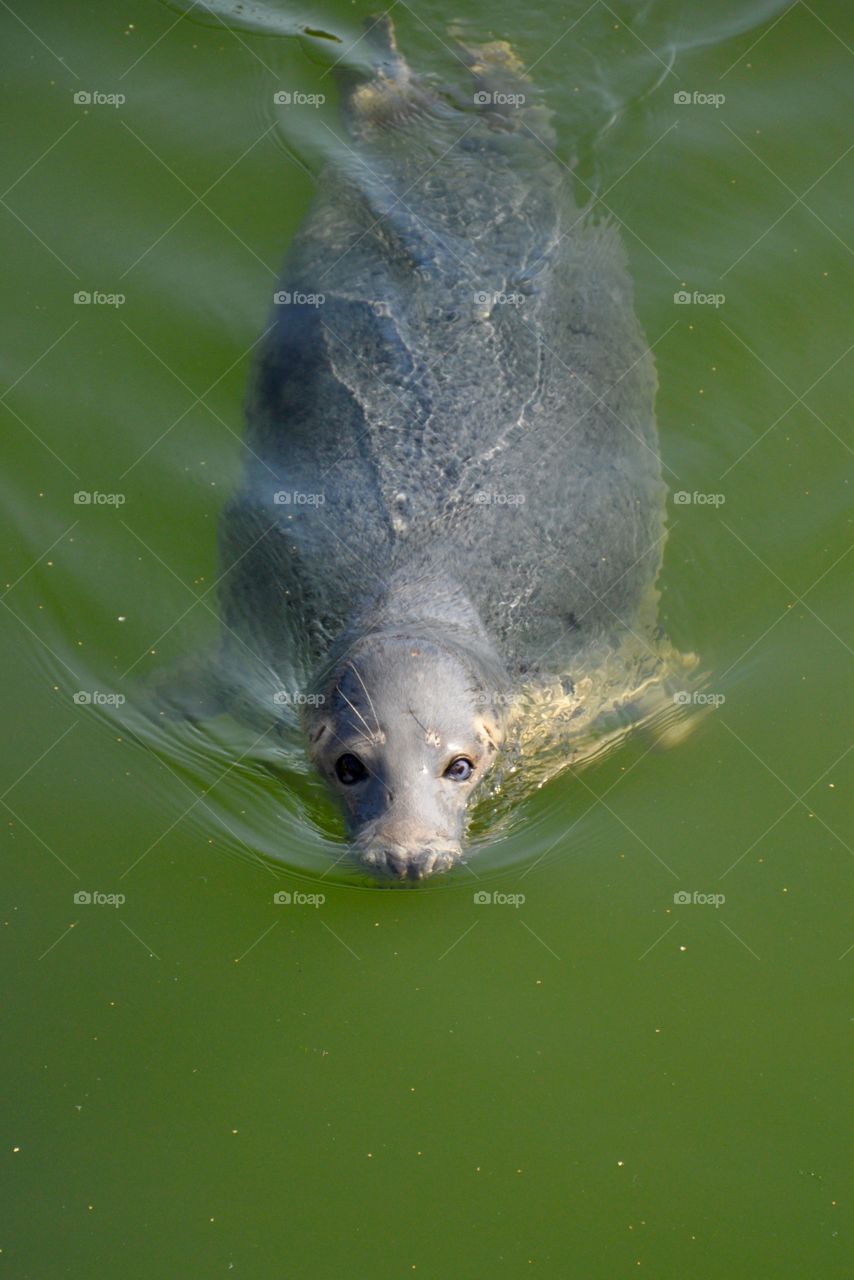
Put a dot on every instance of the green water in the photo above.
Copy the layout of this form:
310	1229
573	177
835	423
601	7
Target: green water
598	1081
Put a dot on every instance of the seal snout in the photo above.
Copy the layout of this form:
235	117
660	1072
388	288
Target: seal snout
406	864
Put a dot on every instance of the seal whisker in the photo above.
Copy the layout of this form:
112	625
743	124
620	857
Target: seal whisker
371	733
421	726
358	676
358	736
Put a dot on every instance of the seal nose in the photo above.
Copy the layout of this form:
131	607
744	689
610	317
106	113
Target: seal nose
405	865
397	862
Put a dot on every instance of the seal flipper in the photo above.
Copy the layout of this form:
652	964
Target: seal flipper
386	93
504	92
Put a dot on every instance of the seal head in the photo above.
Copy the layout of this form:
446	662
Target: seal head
405	730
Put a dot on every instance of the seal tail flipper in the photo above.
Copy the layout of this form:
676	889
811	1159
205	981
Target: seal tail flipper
503	91
384	93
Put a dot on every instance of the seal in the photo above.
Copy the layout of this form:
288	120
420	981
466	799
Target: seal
454	489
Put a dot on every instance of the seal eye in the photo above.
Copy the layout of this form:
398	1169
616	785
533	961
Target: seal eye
349	769
459	770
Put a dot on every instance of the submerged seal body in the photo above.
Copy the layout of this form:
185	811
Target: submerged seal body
453	483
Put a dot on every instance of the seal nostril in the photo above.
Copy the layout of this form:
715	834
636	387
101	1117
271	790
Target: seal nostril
401	864
396	862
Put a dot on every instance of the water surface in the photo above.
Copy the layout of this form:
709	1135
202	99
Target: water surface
599	1078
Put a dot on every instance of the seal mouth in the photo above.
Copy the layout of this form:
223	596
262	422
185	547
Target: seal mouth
405	864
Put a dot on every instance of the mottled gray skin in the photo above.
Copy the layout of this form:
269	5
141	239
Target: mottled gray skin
492	497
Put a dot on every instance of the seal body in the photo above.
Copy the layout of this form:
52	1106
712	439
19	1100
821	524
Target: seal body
451	429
